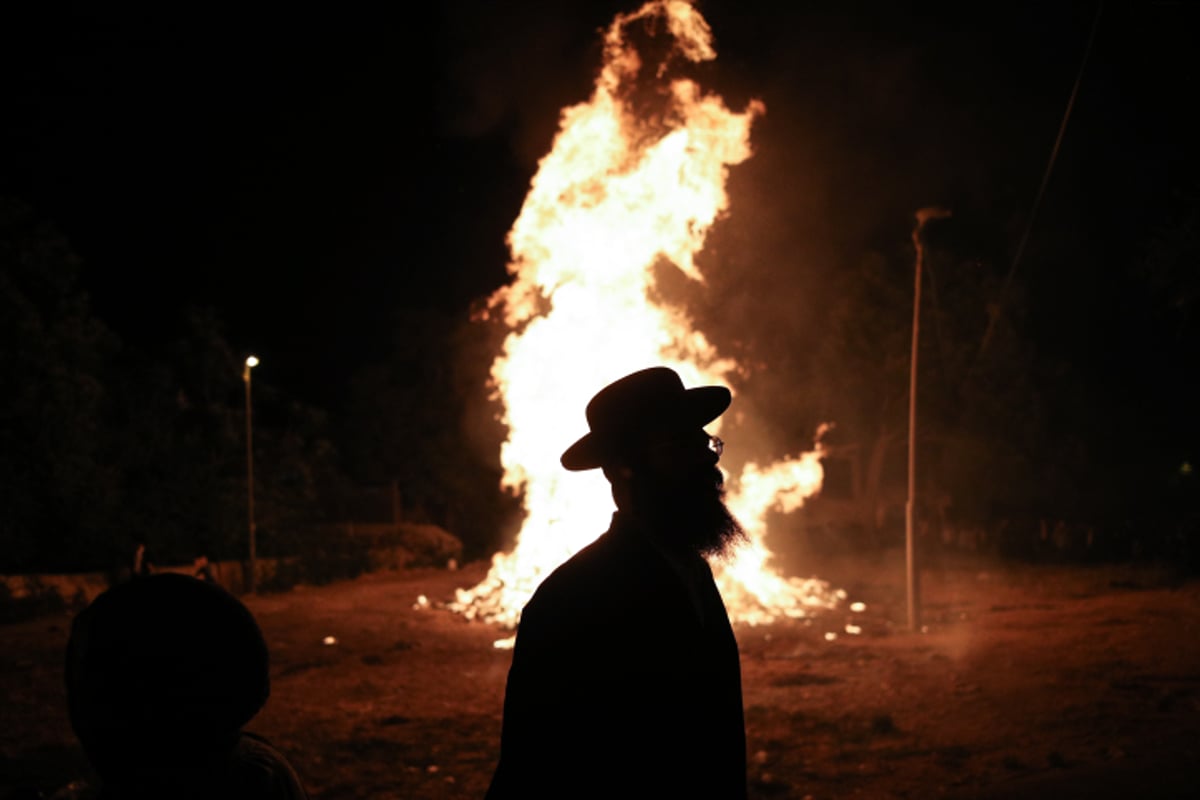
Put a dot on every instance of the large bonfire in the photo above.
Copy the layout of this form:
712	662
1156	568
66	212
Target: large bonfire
621	193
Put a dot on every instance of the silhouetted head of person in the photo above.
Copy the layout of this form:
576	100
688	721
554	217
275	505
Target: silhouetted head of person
647	434
161	674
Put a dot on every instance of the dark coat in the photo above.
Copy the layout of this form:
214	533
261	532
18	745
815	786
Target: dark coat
625	681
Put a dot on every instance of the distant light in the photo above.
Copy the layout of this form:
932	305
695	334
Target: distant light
858	608
1185	468
830	636
329	640
251	361
853	630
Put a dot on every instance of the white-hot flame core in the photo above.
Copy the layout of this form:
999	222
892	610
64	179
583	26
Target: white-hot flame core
616	196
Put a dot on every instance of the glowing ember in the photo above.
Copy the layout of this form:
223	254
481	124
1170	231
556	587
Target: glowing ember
618	194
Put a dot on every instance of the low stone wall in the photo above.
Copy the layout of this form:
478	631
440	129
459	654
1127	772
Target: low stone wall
28	596
387	547
392	546
52	591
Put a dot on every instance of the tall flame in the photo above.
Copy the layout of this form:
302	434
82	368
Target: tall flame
619	193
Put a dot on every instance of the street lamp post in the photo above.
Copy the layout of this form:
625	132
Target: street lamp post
251	362
910	508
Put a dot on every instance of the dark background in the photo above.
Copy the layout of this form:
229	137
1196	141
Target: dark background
335	186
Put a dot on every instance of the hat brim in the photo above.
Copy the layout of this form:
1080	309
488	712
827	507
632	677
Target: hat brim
700	406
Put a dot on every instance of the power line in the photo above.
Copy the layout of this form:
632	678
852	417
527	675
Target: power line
1062	129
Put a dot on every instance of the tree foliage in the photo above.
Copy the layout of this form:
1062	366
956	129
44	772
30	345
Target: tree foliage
980	419
102	444
422	419
56	484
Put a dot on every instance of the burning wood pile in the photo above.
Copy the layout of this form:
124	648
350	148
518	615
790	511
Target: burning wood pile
624	192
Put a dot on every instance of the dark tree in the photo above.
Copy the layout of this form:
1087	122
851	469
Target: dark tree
423	419
57	487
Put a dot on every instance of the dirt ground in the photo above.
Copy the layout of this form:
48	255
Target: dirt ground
1027	682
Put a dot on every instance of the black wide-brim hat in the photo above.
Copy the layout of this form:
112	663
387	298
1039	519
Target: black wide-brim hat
645	405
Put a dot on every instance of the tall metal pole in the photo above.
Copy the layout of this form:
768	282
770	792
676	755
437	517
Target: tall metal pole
251	579
913	581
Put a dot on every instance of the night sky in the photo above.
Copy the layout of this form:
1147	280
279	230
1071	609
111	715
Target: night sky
315	172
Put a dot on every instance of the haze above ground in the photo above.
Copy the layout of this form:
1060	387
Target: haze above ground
316	174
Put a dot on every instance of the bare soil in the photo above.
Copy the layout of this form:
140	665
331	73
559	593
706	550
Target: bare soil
1024	682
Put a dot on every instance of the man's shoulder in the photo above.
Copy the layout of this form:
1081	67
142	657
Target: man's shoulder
616	553
617	568
589	569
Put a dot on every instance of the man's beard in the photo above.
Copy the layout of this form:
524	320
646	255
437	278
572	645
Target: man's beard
689	513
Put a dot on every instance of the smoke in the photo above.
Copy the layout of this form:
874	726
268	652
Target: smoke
508	68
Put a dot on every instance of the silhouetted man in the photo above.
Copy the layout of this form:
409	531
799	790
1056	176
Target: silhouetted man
625	680
162	673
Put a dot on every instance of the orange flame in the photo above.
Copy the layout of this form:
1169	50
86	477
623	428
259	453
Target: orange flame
616	195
